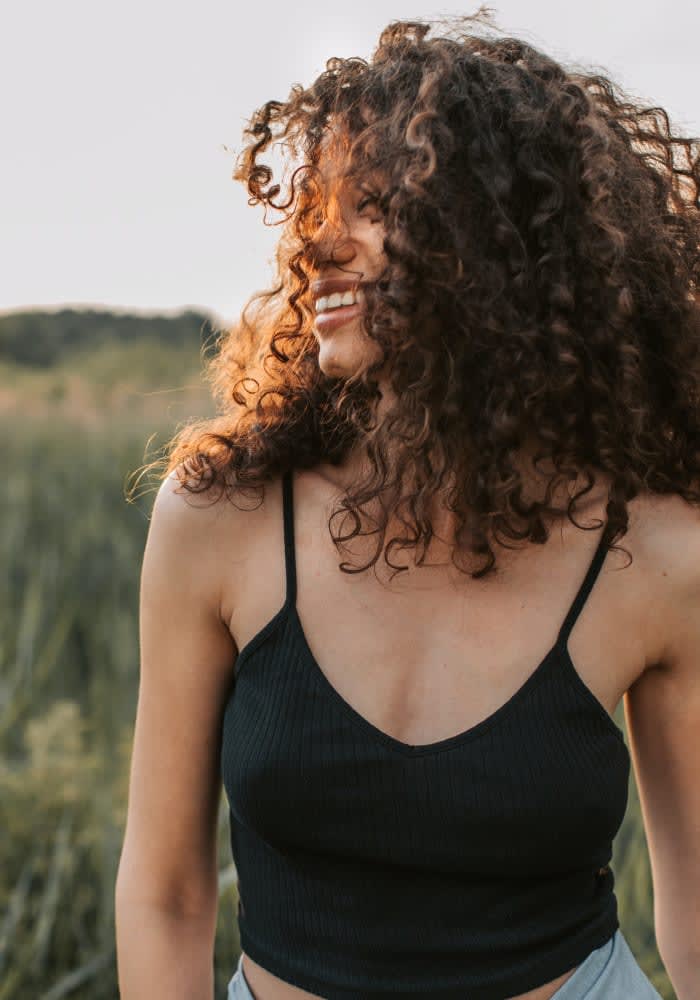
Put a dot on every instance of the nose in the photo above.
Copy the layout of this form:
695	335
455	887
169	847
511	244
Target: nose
330	244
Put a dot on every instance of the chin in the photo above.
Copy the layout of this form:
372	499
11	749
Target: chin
334	364
341	354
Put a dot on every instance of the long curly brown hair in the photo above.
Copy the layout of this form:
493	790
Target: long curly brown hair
542	247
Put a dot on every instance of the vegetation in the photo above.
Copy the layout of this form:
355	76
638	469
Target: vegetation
71	548
40	339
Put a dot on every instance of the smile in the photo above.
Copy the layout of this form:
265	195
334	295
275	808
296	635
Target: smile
337	300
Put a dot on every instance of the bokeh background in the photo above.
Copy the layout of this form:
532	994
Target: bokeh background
125	247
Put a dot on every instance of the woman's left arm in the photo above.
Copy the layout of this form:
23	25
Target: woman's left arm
662	712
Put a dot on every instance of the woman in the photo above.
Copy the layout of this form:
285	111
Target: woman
483	359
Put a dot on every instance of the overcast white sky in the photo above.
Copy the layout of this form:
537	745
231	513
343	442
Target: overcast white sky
120	123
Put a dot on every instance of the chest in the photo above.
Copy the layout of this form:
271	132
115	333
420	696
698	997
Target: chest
429	656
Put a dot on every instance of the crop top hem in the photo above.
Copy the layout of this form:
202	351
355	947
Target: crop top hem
571	955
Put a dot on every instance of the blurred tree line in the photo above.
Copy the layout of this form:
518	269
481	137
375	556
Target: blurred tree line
40	338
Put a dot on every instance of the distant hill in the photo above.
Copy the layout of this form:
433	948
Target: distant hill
41	339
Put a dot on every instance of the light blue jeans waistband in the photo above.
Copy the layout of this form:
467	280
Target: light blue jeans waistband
611	972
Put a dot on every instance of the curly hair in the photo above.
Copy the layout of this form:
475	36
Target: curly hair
542	259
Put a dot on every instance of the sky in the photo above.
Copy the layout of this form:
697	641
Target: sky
120	124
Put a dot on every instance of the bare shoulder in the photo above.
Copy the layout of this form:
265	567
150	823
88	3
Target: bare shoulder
210	530
182	533
235	533
666	535
188	506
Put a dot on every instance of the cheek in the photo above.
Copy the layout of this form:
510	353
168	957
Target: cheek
378	234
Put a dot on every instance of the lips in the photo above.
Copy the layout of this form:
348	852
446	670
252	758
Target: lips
327	322
326	286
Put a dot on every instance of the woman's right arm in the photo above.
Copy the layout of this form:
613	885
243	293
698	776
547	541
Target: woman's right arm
166	895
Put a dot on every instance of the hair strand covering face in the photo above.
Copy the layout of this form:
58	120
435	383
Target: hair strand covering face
541	290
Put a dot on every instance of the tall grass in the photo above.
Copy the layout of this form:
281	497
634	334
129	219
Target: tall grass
71	550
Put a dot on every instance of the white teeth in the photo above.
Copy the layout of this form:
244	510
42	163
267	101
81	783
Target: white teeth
337	299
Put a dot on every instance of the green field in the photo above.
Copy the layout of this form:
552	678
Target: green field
75	428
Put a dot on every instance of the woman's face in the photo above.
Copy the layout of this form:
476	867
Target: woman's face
347	252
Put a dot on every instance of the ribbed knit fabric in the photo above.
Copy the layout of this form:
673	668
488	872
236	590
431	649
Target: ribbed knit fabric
464	868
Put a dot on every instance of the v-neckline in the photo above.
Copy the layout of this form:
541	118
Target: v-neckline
559	652
437	746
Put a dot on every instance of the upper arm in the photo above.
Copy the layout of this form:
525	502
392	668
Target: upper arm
169	853
662	711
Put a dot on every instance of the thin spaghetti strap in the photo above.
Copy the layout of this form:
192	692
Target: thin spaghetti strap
289	553
584	590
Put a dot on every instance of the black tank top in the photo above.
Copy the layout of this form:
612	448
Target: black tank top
473	867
